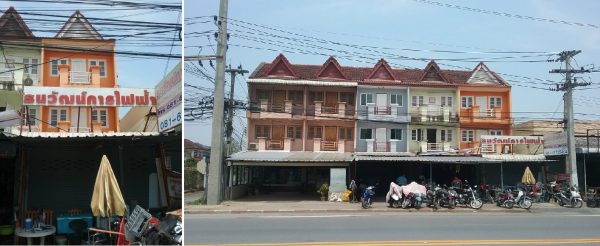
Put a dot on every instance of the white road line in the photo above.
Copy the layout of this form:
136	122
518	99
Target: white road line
313	216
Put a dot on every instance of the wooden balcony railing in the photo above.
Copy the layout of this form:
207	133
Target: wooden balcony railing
329	109
386	110
273	144
329	145
382	147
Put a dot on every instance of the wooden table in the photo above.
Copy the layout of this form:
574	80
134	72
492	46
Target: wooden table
30	234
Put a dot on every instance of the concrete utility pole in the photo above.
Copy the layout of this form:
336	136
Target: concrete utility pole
567	87
215	180
233	73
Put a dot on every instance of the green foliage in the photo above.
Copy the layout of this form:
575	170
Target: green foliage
323	190
190	163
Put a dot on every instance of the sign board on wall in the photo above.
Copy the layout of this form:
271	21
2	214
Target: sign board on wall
555	144
168	94
493	139
87	97
337	181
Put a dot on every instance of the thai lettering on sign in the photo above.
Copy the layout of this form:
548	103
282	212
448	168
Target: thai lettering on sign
61	96
493	139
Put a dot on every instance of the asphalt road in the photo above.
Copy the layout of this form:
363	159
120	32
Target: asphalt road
391	228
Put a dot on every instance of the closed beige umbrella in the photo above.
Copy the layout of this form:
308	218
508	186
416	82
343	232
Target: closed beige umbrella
107	199
528	178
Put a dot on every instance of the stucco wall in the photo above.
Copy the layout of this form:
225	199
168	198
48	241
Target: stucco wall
401	146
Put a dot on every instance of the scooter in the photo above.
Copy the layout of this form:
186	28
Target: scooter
367	197
506	200
412	200
523	200
571	198
444	197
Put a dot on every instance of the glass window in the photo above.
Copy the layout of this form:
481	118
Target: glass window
467	135
396	134
446	101
316	96
446	135
32	119
366	98
495	102
262	131
396	99
294	132
443	135
466	102
34	65
297	97
57	115
496	132
316	132
347	97
101	64
417	100
26	65
417	134
54	66
100	114
366	133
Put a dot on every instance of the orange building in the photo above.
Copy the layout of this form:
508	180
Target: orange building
485	109
78	57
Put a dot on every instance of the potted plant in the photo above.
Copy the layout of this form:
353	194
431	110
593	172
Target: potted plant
323	191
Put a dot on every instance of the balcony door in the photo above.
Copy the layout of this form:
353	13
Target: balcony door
482	103
431	135
278	101
79	74
381	102
380	139
276	141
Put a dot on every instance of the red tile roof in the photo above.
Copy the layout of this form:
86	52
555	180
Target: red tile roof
362	75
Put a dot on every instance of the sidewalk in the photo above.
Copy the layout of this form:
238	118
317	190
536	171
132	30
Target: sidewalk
270	204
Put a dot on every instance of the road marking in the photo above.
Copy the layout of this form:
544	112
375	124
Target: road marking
434	242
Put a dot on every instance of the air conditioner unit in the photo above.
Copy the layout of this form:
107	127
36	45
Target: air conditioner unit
27	81
252	146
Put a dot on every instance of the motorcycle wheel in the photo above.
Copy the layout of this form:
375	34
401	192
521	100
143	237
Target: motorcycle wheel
476	204
592	203
451	204
405	203
526	203
560	203
417	205
577	204
364	203
508	204
396	204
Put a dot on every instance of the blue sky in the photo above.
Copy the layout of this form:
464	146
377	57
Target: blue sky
133	72
413	24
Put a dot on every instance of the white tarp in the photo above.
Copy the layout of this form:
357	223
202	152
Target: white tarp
9	118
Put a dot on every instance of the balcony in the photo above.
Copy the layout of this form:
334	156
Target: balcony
434	113
383	113
382	146
266	109
434	147
477	115
274	144
329	145
77	77
79	129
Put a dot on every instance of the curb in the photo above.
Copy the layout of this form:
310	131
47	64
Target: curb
399	210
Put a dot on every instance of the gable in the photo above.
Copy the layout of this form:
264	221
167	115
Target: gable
78	27
382	71
281	67
331	69
432	73
12	25
482	75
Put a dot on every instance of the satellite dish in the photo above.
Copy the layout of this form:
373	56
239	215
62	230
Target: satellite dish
28	81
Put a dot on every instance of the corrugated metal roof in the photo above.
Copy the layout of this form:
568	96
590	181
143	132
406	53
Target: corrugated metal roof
279	156
436	159
303	82
85	135
516	157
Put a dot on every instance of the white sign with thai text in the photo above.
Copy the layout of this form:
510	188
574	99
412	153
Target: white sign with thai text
555	144
169	97
82	97
493	139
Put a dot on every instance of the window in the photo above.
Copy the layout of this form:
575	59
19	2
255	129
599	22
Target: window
100	114
294	132
496	132
396	134
57	115
467	135
54	65
396	99
346	133
30	65
316	96
432	100
446	101
417	134
417	100
263	94
495	102
366	133
10	63
262	131
446	135
347	97
297	97
31	120
366	98
466	102
101	64
315	132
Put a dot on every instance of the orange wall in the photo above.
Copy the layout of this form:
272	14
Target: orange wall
506	103
112	113
108	81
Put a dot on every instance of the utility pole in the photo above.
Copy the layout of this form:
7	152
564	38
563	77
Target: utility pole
215	180
567	87
233	73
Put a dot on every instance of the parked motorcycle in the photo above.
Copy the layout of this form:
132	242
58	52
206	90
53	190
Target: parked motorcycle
505	200
570	198
469	197
593	201
394	196
367	197
444	197
523	200
412	200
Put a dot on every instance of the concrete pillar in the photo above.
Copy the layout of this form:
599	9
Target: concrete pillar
262	143
341	145
370	145
97	126
287	144
370	109
95	72
394	110
393	145
316	145
63	74
423	145
446	114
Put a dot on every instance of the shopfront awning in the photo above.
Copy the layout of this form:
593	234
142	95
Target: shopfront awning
427	159
517	158
276	158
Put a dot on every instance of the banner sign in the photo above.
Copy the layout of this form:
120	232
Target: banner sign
555	144
493	139
168	94
87	97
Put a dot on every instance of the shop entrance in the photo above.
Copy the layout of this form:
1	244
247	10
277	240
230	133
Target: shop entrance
7	184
